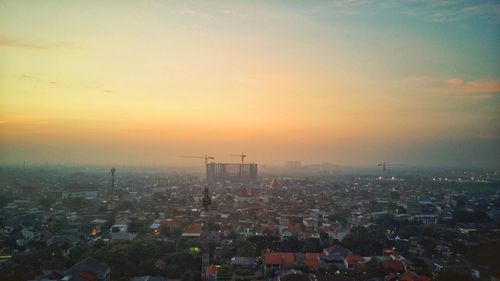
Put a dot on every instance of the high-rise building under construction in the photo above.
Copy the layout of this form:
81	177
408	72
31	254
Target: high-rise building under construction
220	172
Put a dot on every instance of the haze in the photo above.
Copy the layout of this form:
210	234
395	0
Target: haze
346	82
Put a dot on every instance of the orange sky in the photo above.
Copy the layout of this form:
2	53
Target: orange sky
143	82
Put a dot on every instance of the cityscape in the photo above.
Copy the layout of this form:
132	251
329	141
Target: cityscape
94	223
186	140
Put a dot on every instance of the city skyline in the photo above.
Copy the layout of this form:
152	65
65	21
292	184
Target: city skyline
346	82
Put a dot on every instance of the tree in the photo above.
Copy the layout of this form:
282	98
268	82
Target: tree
387	221
45	202
191	275
372	269
75	253
165	230
74	204
466	216
421	267
365	243
311	245
245	249
393	195
262	243
429	247
166	247
224	273
339	218
137	227
452	276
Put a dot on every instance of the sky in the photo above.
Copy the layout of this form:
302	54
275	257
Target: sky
350	82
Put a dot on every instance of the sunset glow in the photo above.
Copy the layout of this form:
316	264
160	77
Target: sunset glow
346	82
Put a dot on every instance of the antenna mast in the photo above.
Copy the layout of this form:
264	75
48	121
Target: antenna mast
205	259
113	170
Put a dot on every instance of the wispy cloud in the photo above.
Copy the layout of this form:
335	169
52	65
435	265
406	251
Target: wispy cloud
459	86
454	85
46	82
453	11
437	11
22	43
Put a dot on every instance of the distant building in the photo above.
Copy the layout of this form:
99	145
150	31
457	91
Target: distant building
275	183
221	172
80	194
245	195
192	231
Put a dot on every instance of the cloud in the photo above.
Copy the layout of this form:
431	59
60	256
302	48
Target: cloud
453	11
37	79
12	42
455	82
40	80
459	86
454	85
436	11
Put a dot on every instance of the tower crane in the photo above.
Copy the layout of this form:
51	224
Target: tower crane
205	258
205	202
386	168
242	156
205	157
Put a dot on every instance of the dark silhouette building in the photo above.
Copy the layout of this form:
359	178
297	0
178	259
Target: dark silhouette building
220	172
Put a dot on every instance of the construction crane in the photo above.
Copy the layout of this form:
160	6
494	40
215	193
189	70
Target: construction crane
206	157
242	156
386	170
382	165
113	170
206	201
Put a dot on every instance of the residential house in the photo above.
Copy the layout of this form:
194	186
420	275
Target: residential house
89	269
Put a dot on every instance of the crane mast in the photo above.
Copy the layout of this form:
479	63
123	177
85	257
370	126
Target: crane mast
112	193
205	259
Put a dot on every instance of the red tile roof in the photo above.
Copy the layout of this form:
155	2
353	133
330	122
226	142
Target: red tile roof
312	260
279	259
87	276
245	192
194	228
388	251
169	223
354	259
394	265
293	227
256	207
413	277
212	270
